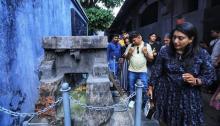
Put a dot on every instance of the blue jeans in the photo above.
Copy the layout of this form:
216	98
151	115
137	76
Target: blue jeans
113	67
133	77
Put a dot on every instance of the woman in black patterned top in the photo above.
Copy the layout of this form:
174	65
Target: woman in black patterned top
179	72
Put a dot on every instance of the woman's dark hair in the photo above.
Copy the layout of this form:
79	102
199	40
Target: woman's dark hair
190	31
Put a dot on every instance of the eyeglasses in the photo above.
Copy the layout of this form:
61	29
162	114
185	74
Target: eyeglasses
138	50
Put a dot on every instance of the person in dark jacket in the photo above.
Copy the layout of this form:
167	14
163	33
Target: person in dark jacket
155	45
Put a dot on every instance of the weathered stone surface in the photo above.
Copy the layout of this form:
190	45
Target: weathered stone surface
48	90
47	69
75	42
100	70
98	94
100	67
82	63
84	54
75	54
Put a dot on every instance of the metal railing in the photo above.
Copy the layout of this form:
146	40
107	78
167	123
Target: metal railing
119	107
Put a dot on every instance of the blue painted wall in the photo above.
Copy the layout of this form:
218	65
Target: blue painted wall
23	23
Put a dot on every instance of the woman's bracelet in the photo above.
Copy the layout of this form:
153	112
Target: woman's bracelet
197	81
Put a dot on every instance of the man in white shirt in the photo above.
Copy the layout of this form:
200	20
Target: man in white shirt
138	53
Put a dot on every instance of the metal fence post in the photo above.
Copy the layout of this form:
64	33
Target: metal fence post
139	85
66	104
114	66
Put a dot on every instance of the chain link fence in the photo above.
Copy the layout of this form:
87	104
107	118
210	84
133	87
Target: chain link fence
119	107
12	113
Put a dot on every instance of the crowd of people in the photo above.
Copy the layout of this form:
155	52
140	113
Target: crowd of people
173	72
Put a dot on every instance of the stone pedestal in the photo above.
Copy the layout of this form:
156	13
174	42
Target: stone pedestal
98	94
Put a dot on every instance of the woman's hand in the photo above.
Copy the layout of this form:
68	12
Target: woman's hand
189	78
